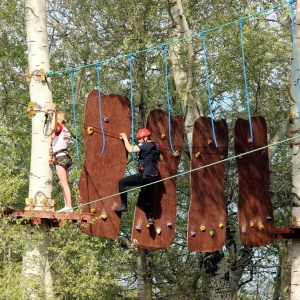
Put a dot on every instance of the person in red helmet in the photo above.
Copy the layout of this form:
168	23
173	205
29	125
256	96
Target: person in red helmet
148	155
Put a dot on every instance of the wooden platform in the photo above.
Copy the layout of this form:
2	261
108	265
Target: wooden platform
162	194
53	219
255	212
207	212
287	233
100	174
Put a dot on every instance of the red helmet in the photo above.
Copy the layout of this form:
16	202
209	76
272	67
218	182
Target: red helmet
143	132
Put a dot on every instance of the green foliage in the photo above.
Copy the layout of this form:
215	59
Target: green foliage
83	32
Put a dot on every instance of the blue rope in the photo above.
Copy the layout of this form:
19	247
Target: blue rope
164	47
208	89
295	57
74	108
132	108
51	73
100	107
245	79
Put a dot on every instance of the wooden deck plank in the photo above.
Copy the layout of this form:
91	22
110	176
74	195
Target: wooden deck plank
255	212
162	194
100	174
207	212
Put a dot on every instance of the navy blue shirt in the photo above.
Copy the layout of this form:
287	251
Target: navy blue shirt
148	156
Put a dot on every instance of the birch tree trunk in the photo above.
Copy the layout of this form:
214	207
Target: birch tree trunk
182	71
295	258
182	68
144	289
35	260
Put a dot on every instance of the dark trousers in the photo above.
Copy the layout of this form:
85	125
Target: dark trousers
138	180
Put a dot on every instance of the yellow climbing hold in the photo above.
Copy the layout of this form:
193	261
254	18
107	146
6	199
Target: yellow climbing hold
221	225
176	153
90	130
261	227
202	228
197	154
103	216
92	210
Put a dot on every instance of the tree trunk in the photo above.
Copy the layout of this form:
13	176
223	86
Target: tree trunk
217	277
295	259
183	79
40	178
144	289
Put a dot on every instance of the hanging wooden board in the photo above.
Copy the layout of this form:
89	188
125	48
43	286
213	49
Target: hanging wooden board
255	212
162	194
100	174
207	212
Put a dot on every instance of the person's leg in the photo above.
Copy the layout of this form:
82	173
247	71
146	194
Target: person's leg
63	178
132	180
148	201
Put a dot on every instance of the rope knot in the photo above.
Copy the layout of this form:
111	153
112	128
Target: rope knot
49	73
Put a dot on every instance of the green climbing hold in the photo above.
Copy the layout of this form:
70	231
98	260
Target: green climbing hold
211	233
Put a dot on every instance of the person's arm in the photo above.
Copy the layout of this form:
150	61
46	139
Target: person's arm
127	145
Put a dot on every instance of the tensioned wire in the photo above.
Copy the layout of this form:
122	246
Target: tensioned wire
188	172
51	73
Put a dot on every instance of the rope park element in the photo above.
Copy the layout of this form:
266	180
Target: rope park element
296	82
164	47
100	107
245	79
131	105
59	72
202	33
74	108
208	89
190	171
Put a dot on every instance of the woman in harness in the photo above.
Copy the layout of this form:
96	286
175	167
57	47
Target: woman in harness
61	156
149	154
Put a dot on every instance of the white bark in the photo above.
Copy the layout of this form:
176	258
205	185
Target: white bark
279	136
295	259
35	261
40	183
183	77
35	267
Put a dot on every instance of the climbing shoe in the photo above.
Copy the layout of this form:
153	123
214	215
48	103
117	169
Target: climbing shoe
121	208
66	209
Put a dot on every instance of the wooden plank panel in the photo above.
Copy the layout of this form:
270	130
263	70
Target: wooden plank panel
162	194
207	212
255	212
100	174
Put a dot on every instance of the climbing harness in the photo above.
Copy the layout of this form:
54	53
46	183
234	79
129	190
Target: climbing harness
100	108
74	108
164	47
245	79
131	104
